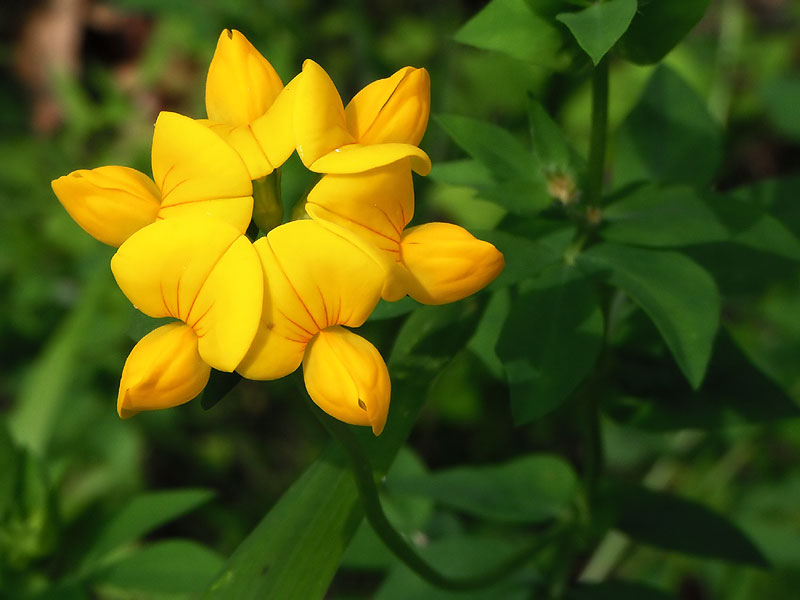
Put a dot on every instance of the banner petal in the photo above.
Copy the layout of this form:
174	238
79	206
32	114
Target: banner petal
320	125
192	164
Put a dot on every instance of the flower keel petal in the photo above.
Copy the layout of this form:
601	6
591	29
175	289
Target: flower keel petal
346	377
163	370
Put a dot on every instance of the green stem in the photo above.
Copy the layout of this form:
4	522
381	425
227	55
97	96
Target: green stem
597	143
267	203
368	492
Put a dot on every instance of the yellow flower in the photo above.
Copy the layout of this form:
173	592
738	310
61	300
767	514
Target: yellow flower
247	104
381	125
204	273
320	278
433	263
194	171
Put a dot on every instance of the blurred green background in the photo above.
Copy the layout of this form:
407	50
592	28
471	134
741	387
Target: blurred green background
81	83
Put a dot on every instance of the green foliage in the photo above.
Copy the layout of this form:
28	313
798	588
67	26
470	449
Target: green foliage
658	26
598	27
516	27
676	293
529	489
633	368
675	523
648	145
167	567
550	341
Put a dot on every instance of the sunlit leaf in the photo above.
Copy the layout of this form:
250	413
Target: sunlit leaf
515	27
678	295
598	27
498	150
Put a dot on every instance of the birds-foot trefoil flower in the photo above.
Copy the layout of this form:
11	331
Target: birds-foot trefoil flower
381	125
321	279
434	263
195	173
205	274
246	104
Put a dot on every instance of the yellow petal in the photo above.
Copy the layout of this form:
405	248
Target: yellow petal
357	158
394	109
347	378
163	370
447	263
201	271
242	139
376	205
109	203
192	165
320	125
315	278
241	84
274	131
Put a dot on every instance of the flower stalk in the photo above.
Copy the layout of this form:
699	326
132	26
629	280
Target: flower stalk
394	541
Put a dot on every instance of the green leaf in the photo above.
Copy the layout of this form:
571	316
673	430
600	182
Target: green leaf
45	391
598	27
529	489
526	258
678	295
617	590
781	98
669	136
295	550
550	147
459	556
144	513
735	392
674	216
549	342
658	27
516	28
467	172
498	150
681	525
167	567
662	217
520	197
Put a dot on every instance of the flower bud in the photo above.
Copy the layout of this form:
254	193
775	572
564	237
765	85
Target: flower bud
447	263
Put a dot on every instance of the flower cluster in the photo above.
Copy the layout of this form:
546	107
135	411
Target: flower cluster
262	308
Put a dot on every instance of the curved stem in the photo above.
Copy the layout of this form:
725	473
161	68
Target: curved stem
368	493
